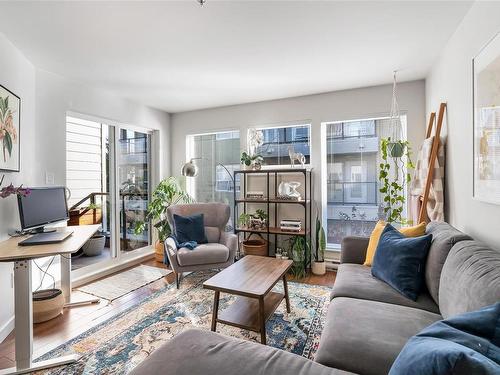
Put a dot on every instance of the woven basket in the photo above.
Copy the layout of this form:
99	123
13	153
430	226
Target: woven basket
47	304
254	247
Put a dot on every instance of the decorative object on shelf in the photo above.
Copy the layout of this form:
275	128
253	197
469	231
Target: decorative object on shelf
486	71
12	190
288	190
255	195
393	180
167	193
201	2
291	225
319	265
255	139
254	162
296	156
255	246
279	253
257	221
10	123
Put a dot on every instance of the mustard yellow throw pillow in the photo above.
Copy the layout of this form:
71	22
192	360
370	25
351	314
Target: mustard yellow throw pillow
415	231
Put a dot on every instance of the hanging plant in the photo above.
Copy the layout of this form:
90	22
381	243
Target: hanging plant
393	184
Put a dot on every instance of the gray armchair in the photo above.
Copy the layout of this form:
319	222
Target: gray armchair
220	250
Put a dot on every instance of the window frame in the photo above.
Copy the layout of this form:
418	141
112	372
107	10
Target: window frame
302	123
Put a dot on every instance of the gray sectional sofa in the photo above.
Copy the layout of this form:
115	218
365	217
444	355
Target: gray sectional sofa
368	322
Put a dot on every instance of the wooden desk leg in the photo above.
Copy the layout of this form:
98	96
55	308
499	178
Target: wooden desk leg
287	298
262	320
215	310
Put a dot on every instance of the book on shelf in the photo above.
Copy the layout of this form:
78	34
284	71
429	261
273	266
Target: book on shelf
291	225
255	195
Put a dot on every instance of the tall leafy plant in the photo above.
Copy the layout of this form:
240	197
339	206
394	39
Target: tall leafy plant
393	178
167	193
320	241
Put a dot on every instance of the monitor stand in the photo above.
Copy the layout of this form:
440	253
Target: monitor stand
43	230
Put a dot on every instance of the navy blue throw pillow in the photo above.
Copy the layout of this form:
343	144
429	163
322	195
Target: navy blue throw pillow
400	261
190	228
464	344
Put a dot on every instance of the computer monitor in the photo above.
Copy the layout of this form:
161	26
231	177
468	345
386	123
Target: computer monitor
41	207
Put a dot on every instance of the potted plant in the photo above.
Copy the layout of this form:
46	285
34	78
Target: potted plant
319	265
244	220
298	255
252	161
167	193
393	181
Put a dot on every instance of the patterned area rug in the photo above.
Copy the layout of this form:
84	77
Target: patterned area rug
119	344
122	283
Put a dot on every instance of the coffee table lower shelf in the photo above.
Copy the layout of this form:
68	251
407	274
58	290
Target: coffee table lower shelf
244	312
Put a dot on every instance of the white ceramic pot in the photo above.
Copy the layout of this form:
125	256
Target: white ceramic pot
319	268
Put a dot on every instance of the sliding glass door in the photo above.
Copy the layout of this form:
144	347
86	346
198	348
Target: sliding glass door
108	176
134	182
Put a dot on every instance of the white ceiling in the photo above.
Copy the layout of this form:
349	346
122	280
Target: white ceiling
178	56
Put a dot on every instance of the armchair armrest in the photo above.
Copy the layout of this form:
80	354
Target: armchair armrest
353	249
230	240
171	252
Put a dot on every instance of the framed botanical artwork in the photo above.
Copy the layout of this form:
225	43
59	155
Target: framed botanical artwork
10	123
486	71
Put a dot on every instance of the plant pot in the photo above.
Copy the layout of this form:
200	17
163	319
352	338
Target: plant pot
256	166
94	246
159	251
319	268
47	304
396	149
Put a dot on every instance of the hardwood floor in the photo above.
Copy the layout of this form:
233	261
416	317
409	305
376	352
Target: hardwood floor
77	320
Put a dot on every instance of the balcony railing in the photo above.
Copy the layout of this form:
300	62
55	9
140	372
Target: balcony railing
340	192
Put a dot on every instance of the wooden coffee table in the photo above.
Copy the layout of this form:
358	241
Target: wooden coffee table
251	279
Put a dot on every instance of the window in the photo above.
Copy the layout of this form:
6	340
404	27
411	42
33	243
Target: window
352	189
279	141
216	151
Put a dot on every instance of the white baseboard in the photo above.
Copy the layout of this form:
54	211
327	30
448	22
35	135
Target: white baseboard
6	329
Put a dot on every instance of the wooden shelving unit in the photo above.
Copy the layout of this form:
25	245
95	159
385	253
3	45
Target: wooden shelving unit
272	203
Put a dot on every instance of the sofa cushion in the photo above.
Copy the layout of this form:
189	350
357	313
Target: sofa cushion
365	337
356	281
400	261
197	352
444	236
464	344
470	278
209	253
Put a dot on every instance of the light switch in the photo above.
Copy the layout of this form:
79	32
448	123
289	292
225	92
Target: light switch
49	178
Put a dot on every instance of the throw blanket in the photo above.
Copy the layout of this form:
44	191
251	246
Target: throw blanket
191	245
435	204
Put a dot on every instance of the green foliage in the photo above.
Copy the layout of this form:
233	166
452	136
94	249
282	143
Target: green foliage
244	219
249	159
298	255
320	241
167	193
392	187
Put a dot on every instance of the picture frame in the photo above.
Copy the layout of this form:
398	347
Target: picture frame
10	131
486	122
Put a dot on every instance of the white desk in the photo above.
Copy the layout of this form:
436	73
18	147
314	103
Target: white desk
22	256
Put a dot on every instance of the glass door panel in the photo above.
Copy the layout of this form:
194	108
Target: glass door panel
90	165
134	163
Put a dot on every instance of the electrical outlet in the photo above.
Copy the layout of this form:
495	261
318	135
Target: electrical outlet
49	178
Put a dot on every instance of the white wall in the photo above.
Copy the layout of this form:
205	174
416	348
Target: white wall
450	80
55	95
18	75
334	106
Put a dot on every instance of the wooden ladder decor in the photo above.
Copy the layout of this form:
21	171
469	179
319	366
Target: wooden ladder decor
434	152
